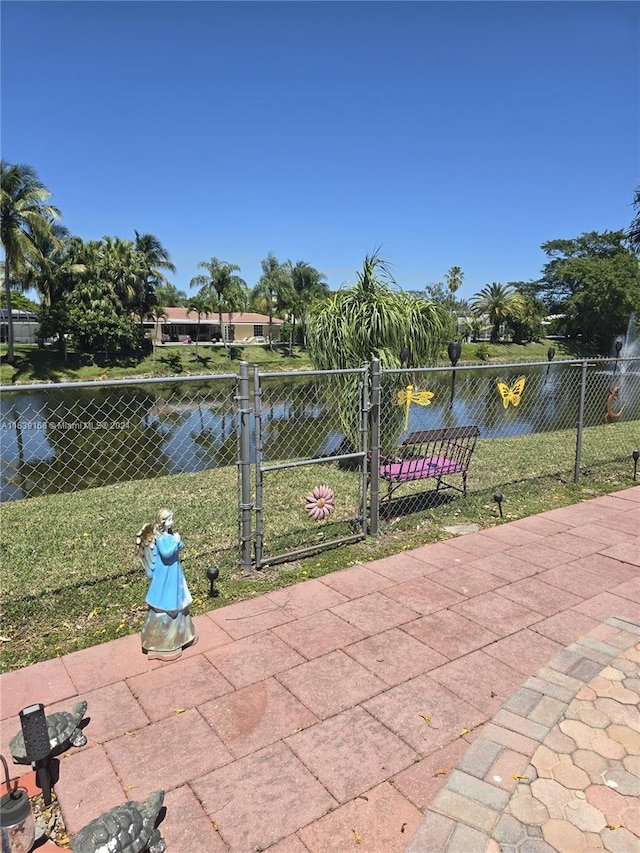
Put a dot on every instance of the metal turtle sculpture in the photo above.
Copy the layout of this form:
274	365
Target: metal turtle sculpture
63	729
128	828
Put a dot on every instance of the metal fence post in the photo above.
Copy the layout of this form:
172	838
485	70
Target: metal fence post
374	466
583	387
244	465
257	410
365	408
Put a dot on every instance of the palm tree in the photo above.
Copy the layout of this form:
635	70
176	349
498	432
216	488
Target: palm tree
226	291
499	302
307	284
274	287
633	234
372	319
24	218
156	259
200	304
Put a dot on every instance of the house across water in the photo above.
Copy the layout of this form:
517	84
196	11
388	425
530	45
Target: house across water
176	324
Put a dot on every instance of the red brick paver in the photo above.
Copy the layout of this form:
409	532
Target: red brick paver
479	694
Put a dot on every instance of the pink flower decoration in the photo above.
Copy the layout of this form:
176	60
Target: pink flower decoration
320	503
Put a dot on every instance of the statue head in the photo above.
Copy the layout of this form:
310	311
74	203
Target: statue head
164	520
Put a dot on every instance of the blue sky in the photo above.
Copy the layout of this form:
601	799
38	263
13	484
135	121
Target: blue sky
447	133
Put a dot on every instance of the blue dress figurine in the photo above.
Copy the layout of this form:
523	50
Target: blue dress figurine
168	627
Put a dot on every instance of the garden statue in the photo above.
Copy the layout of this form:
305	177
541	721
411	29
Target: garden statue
128	828
168	627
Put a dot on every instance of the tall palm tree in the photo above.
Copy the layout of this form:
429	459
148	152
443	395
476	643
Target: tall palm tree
156	259
274	287
307	284
499	302
24	217
200	304
633	234
454	278
226	291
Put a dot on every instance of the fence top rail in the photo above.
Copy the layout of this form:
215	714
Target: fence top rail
358	371
106	383
578	362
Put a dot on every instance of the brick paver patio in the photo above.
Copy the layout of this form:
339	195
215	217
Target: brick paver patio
480	694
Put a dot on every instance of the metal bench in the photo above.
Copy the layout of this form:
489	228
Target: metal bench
431	454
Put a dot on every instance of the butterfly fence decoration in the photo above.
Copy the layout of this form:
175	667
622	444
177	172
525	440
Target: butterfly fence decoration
408	396
511	393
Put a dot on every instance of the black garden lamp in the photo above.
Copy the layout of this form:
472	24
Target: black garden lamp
455	351
618	348
497	496
550	355
635	456
213	573
37	746
404	356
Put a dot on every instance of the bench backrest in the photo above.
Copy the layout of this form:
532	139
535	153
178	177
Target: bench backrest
453	443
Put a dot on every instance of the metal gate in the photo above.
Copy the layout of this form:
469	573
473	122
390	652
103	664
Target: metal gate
305	430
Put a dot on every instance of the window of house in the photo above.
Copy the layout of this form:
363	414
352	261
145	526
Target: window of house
258	330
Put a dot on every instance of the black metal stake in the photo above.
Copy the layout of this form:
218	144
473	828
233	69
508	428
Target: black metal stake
213	573
618	346
497	496
550	354
635	456
455	350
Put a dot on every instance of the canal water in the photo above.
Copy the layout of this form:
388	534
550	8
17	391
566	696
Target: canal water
54	440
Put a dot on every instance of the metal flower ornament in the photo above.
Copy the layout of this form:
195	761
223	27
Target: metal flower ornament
320	503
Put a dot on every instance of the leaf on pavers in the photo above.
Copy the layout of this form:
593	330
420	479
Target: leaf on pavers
493	694
129	734
464	732
403	827
214	824
356	837
179	710
613	826
362	797
128	788
517	776
441	772
426	717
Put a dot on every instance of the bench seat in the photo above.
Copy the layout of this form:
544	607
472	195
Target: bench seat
431	454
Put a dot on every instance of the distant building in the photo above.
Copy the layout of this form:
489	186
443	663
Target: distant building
242	327
26	327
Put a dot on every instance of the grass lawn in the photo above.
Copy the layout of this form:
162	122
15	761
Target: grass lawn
72	578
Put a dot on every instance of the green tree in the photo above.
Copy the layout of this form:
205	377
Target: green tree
454	278
307	285
156	259
527	325
273	290
500	303
594	281
372	318
200	304
169	296
226	291
25	217
633	234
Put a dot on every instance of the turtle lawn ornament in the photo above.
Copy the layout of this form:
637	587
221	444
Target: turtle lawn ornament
128	828
63	728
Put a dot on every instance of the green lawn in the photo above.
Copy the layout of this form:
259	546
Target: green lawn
72	578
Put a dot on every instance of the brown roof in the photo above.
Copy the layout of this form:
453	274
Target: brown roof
179	315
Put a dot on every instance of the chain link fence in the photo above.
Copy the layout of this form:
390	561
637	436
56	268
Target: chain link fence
534	420
73	436
271	438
